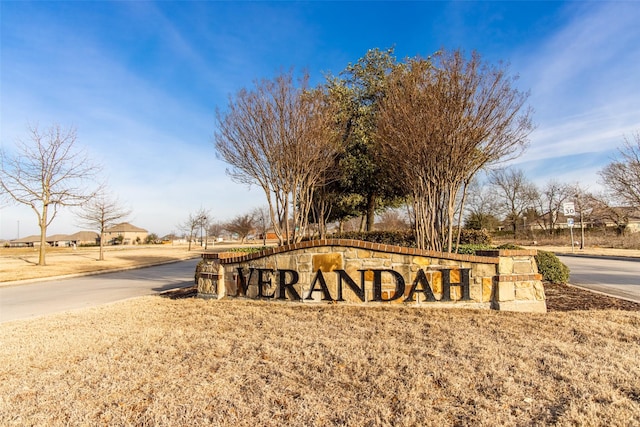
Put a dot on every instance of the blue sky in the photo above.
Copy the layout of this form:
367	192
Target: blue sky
141	81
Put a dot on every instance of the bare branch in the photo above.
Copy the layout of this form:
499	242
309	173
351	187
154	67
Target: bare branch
47	172
282	138
622	177
100	213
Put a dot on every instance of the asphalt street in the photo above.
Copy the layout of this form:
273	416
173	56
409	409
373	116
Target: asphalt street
613	276
41	298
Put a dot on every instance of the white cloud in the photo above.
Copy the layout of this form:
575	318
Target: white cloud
584	86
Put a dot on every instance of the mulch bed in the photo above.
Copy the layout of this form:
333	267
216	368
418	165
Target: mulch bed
190	292
559	298
570	298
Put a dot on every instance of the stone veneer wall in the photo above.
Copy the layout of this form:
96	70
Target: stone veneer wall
498	279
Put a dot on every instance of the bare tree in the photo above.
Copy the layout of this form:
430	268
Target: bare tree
262	222
282	138
393	220
622	177
481	207
196	221
242	225
100	213
549	203
46	173
204	222
215	229
442	120
516	195
189	227
605	212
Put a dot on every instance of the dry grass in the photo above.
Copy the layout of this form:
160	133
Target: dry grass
156	361
21	263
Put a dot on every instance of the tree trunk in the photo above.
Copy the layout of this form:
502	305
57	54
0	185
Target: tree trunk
101	255
371	211
43	235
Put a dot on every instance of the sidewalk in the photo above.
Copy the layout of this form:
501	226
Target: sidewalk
589	251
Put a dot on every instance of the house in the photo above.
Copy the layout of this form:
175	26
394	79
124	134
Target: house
621	217
78	239
84	238
29	241
125	234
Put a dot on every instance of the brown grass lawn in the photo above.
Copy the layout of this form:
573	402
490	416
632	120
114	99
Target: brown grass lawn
21	263
185	362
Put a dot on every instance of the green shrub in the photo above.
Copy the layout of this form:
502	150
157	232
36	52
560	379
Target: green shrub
469	236
551	268
249	249
471	249
509	246
396	238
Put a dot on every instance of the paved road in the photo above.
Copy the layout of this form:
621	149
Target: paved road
36	299
612	276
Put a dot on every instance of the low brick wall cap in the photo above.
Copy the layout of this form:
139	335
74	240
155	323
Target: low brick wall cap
234	257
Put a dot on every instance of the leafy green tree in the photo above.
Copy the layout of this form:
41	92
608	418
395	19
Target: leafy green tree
359	90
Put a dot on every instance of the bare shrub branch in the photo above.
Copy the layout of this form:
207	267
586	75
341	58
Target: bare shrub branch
442	120
282	138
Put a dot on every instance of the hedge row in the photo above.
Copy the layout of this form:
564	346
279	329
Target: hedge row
407	238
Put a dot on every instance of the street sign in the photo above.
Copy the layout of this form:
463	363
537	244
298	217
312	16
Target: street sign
569	209
570	222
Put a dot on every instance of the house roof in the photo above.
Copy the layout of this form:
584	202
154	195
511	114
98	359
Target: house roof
125	227
84	236
57	238
28	239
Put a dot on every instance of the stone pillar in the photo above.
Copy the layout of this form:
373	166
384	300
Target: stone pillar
210	279
518	285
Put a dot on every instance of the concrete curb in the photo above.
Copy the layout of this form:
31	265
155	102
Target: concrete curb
609	257
603	293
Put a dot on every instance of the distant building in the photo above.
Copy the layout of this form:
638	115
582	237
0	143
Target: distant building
23	242
125	234
80	238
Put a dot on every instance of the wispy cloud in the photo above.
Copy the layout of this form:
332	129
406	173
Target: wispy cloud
141	80
584	82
